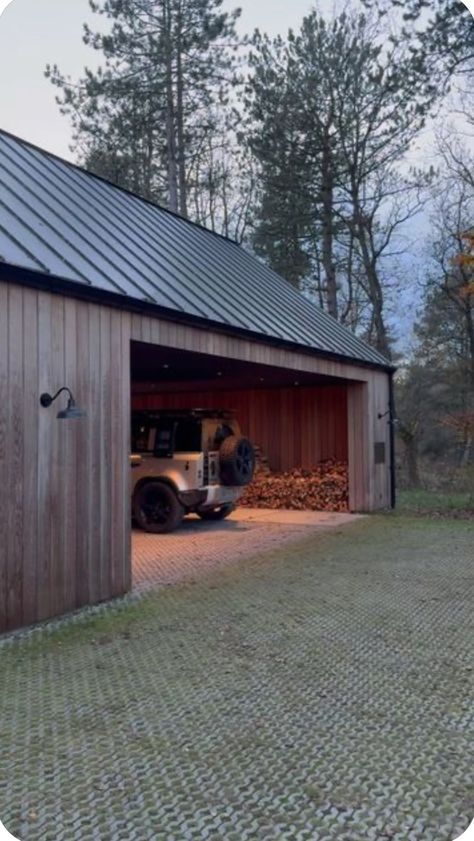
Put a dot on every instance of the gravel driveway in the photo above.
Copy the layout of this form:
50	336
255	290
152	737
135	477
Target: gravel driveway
320	691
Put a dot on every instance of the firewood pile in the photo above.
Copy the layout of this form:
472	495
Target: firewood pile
322	488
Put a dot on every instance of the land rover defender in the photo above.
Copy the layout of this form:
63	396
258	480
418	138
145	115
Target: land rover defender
183	461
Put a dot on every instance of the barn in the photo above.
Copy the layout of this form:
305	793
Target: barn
125	304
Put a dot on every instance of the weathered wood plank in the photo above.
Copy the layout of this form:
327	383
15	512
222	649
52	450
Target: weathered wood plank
125	447
58	432
359	457
117	489
15	456
44	605
94	460
105	432
4	450
83	430
31	409
70	458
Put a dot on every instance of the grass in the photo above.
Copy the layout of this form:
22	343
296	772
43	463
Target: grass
421	502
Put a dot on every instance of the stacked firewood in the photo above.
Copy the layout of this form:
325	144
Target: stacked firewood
322	488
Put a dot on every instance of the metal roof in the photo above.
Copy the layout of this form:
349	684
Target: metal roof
63	222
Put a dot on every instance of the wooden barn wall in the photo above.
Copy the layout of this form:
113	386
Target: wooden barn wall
295	427
64	515
64	494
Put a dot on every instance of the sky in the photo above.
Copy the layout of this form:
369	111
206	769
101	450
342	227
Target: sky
36	32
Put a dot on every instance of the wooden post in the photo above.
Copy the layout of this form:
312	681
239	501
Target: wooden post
358	422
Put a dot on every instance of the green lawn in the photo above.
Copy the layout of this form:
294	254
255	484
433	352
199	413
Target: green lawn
428	502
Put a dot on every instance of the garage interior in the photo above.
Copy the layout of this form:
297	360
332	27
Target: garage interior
295	422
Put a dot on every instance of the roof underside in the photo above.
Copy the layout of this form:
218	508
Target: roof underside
62	222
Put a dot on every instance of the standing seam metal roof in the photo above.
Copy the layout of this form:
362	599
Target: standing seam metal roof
61	221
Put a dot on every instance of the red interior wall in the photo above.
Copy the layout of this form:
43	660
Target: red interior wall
295	427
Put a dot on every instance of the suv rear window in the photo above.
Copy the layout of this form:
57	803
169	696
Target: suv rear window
163	437
187	436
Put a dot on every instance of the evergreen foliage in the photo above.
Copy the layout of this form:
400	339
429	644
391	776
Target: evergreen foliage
145	115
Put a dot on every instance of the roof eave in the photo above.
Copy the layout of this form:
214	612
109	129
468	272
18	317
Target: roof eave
52	283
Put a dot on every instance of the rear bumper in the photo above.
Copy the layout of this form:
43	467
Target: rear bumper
210	497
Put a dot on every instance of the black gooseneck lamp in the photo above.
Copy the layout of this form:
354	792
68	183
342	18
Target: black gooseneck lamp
71	412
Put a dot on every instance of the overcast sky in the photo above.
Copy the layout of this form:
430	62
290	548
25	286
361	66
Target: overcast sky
35	32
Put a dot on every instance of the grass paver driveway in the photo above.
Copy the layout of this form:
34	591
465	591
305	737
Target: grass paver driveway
322	691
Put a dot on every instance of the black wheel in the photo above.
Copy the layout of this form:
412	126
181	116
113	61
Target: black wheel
216	513
157	509
237	461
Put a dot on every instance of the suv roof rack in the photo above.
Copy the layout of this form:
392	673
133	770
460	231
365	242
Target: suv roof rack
156	414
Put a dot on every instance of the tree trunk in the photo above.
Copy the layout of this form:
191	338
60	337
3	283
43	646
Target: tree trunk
470	340
411	449
181	150
375	287
466	453
327	200
172	171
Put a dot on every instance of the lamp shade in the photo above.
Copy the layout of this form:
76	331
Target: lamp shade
72	412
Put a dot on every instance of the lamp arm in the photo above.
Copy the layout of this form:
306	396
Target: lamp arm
46	400
64	388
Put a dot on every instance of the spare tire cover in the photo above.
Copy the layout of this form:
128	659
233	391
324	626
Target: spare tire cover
237	461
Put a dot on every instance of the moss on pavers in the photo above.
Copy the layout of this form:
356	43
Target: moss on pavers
315	689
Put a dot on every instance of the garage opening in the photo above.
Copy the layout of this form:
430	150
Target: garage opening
296	420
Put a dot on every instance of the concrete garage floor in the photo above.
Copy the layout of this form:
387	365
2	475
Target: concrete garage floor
199	546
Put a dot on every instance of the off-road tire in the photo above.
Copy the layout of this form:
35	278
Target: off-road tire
157	509
216	513
236	461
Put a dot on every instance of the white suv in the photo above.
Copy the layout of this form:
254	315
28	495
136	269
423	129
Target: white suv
183	461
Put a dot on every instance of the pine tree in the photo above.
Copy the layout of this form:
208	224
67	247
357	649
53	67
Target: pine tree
332	113
440	35
142	118
274	137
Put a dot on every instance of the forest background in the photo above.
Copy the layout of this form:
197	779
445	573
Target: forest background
340	151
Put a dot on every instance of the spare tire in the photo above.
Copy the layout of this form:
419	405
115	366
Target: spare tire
236	461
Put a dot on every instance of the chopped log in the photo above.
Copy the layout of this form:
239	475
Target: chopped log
324	487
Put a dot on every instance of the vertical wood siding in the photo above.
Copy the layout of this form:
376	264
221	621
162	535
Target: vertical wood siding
64	513
369	483
295	427
64	494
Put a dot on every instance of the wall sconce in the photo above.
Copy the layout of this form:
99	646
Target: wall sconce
71	412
